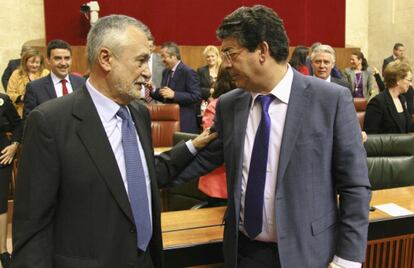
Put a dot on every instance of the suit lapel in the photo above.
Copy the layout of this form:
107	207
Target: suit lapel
298	105
393	111
94	138
50	88
241	115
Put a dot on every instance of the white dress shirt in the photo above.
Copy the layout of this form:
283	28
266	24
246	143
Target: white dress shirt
112	124
58	84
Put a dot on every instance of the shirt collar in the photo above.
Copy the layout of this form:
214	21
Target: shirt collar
282	90
56	80
175	66
106	107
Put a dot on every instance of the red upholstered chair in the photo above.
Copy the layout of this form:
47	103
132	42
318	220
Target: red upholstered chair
360	107
165	120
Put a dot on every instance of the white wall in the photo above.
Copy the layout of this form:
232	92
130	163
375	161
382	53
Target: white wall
20	21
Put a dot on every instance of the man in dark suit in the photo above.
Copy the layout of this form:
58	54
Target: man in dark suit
11	66
87	192
288	162
58	83
179	85
397	53
323	60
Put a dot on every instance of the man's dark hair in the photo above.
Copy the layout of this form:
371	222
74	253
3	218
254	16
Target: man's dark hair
254	25
172	49
57	43
397	46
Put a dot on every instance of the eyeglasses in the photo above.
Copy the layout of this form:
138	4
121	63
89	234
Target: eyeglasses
230	56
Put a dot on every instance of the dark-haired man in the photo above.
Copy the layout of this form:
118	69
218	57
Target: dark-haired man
179	85
58	83
291	144
397	53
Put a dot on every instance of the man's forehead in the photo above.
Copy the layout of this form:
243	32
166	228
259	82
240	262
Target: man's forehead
230	43
323	55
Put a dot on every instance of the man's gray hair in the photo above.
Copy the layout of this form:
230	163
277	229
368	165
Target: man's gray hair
108	31
324	49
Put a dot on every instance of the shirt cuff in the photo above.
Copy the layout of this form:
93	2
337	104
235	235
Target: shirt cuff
345	263
191	147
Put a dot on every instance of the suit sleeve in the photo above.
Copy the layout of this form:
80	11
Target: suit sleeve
29	100
373	116
6	76
36	196
191	93
350	174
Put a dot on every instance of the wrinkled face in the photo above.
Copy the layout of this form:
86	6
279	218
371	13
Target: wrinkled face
129	68
169	60
399	52
355	62
60	62
211	59
322	64
405	83
33	64
241	64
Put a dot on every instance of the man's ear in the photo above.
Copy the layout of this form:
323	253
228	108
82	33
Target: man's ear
105	57
264	51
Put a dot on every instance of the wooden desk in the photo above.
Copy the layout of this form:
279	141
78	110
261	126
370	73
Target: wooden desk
195	236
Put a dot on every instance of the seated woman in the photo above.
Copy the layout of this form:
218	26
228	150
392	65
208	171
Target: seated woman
214	184
360	77
298	59
387	112
31	68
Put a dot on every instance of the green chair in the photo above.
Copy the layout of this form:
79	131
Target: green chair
186	195
390	160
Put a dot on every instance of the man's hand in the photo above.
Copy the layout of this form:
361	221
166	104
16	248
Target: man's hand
203	139
167	93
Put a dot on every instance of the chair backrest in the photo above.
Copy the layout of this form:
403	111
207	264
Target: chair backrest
360	107
165	120
390	160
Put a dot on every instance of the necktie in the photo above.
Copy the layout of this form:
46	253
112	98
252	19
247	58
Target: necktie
253	203
64	88
137	188
147	95
169	76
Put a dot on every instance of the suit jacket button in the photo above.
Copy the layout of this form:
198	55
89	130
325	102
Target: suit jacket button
132	230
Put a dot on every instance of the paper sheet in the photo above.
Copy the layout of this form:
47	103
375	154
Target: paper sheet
394	209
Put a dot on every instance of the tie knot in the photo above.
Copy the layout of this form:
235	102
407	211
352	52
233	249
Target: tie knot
123	113
63	81
265	101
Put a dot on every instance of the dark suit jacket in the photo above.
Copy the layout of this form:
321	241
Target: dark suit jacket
71	207
381	115
341	83
11	66
205	82
9	121
321	155
187	94
41	90
386	62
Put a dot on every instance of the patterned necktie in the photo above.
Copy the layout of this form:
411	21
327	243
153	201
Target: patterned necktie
169	77
253	203
147	95
137	187
64	88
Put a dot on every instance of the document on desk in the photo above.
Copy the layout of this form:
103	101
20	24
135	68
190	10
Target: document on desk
394	209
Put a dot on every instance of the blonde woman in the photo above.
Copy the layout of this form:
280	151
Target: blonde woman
208	74
32	67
